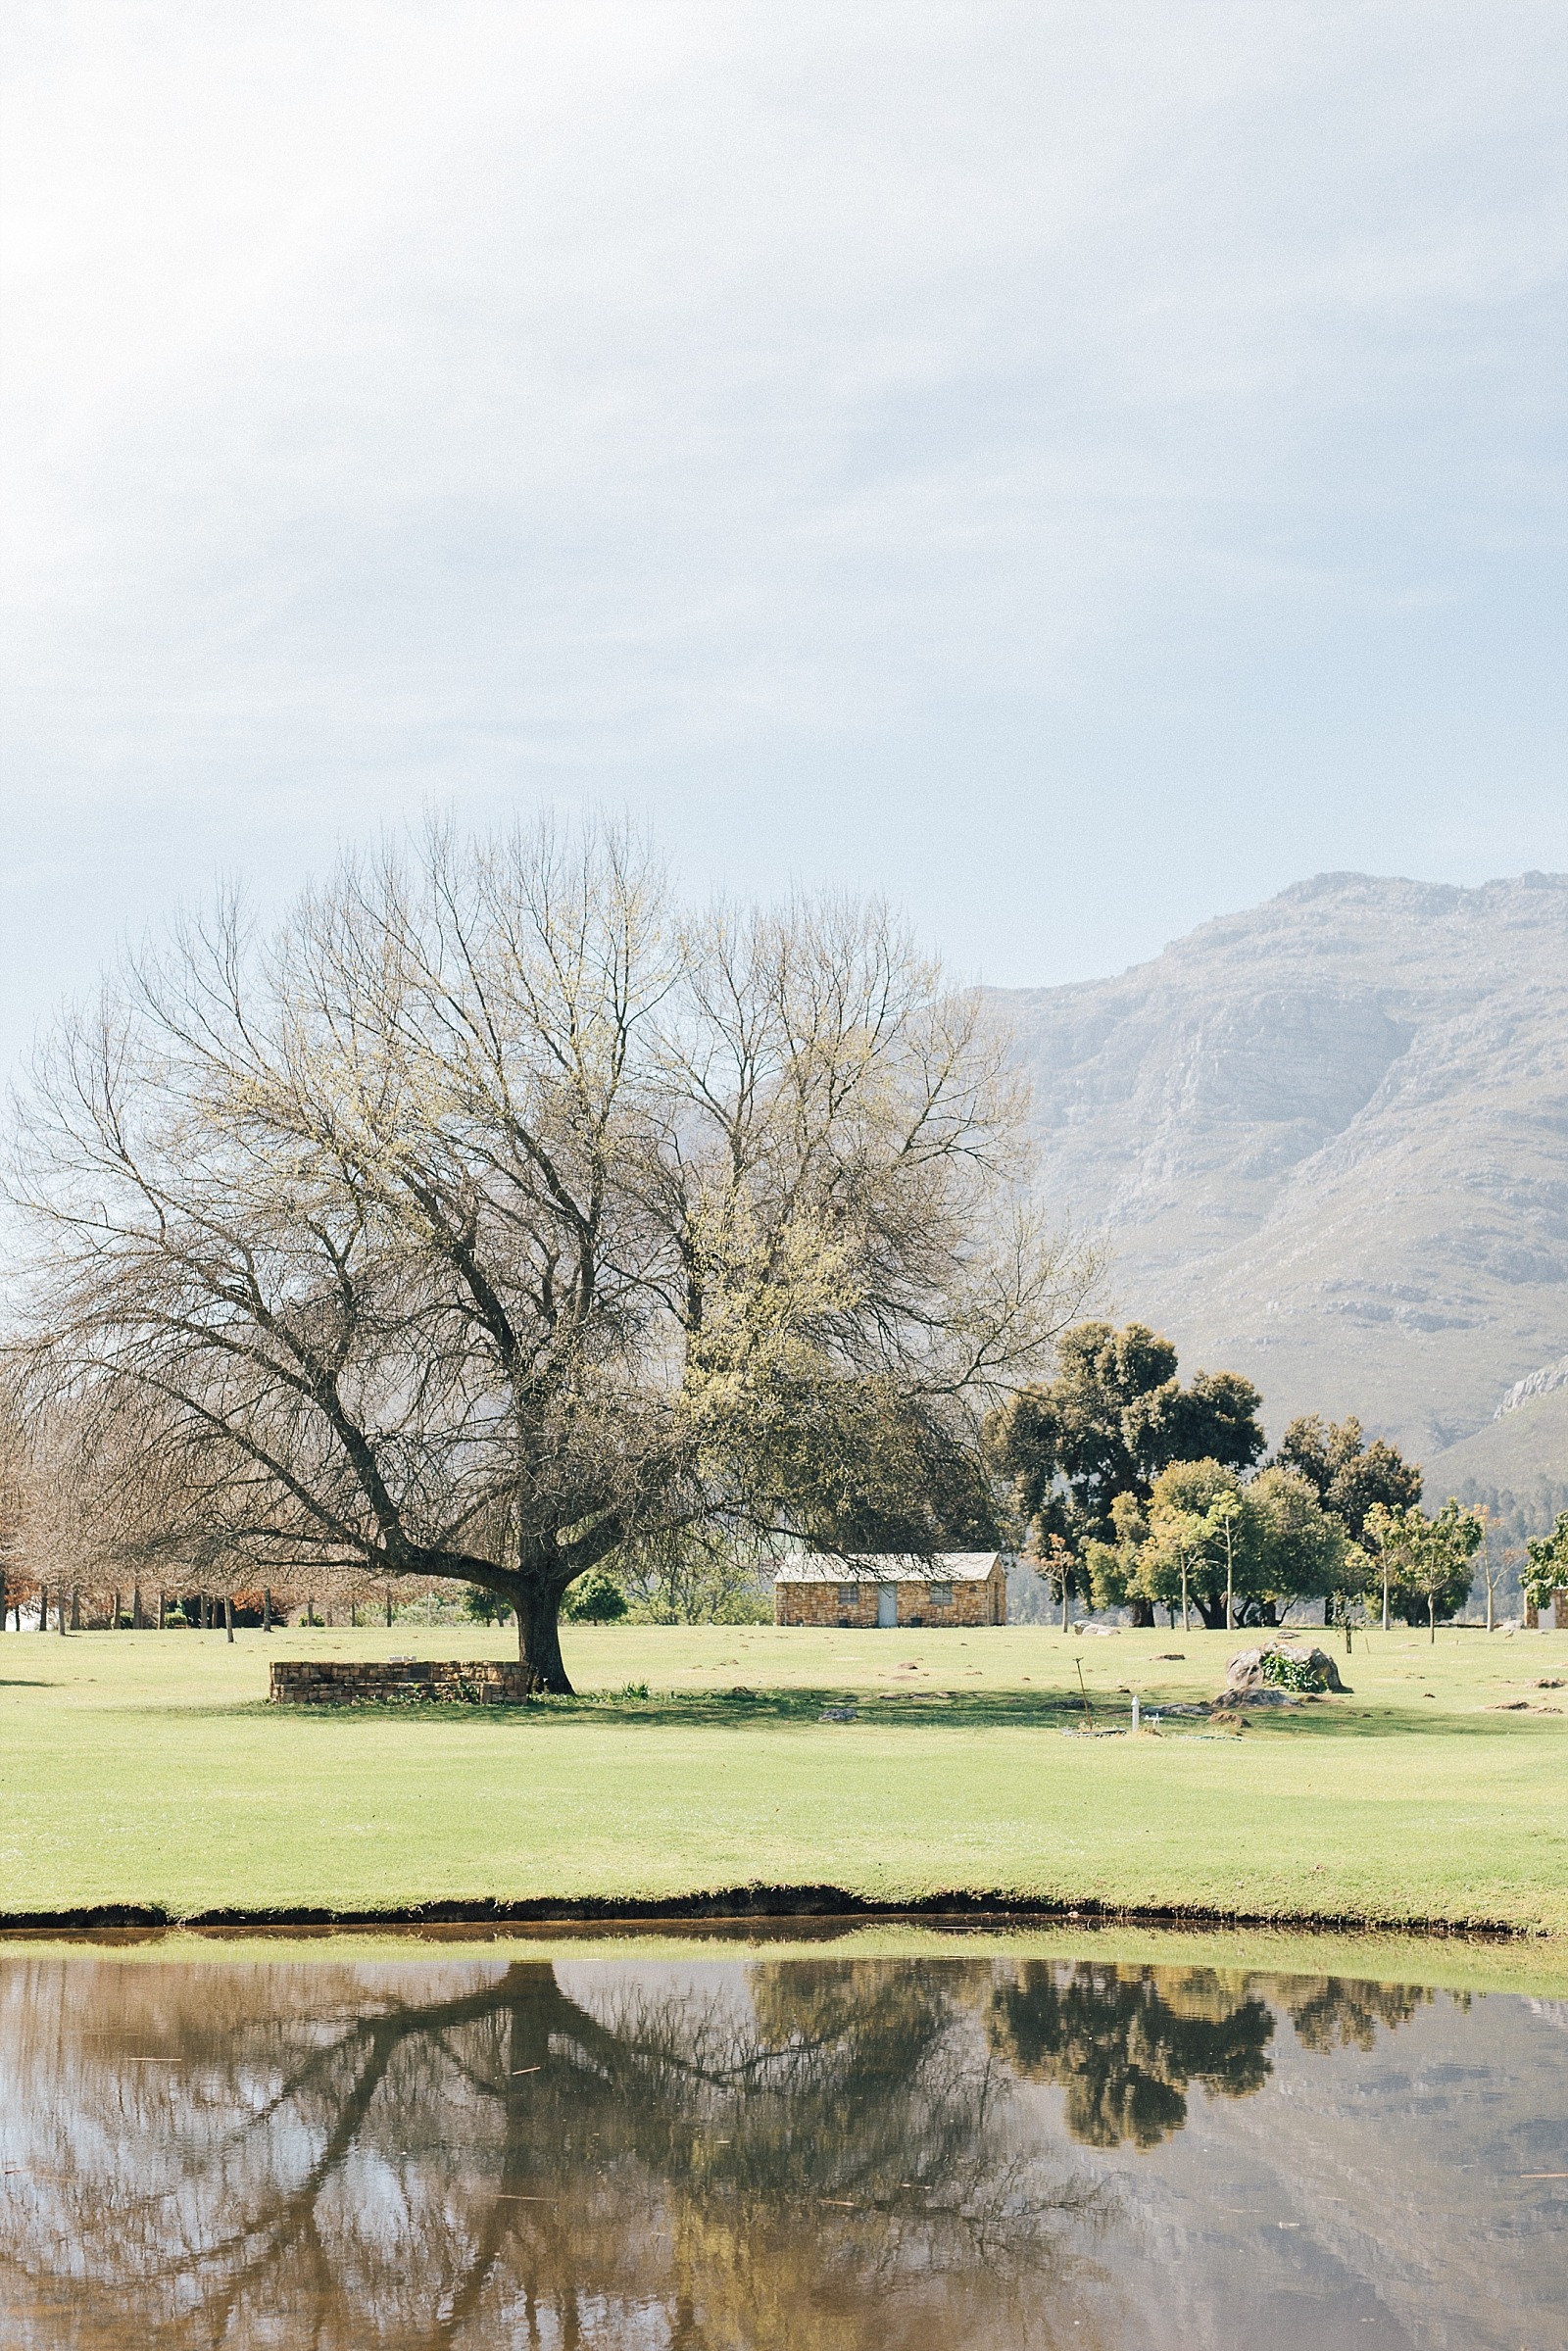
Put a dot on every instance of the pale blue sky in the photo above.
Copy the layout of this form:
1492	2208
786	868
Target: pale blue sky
1075	468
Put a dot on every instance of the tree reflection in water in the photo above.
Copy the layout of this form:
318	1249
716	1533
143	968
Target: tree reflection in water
1125	2043
830	2154
817	2154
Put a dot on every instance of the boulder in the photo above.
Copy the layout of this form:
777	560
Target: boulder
1245	1673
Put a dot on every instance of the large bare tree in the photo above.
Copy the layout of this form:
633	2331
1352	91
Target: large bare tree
491	1215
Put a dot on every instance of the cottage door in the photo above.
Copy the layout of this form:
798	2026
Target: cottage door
887	1603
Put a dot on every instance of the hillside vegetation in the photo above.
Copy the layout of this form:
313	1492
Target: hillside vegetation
1328	1142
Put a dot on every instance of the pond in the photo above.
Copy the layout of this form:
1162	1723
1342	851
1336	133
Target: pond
991	2142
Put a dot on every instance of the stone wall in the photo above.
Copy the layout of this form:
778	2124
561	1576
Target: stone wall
460	1681
1559	1612
972	1603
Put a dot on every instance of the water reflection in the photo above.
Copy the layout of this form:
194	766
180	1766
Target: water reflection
1124	2046
830	2154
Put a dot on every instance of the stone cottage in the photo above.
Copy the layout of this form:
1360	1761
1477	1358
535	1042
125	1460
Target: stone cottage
1550	1614
889	1588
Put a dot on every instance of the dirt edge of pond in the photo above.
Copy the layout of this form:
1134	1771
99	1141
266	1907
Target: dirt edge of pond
740	1904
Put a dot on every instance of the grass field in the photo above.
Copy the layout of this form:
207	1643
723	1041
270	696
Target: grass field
146	1769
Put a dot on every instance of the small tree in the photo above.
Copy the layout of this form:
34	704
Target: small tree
1494	1560
1201	1538
1547	1564
1424	1560
596	1599
1064	1573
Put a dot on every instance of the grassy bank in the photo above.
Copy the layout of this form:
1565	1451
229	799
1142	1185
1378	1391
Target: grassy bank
146	1769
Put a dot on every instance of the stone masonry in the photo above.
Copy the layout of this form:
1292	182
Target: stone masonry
845	1605
458	1680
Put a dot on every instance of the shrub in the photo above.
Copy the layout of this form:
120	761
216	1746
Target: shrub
594	1599
1290	1673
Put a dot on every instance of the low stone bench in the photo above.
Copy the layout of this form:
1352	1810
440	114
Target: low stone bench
457	1681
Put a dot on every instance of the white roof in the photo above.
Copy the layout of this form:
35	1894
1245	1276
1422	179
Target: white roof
888	1567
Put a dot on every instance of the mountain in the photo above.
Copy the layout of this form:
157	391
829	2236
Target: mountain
1327	1141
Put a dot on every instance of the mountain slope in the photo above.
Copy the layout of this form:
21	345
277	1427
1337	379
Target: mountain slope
1328	1141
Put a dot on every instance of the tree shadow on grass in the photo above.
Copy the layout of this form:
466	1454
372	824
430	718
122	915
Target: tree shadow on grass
1045	1710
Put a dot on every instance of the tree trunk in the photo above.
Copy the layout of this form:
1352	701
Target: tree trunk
539	1640
1489	1607
114	1612
135	1608
228	1614
1384	1599
163	1611
267	1610
60	1609
207	1612
43	1608
1140	1612
1066	1601
1431	1617
76	1608
389	1607
5	1603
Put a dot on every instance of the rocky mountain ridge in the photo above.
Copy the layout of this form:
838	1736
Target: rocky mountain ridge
1327	1141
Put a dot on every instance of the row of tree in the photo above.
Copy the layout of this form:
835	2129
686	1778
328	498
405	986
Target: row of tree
1135	1491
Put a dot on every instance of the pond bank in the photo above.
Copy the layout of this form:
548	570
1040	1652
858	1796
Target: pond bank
712	1772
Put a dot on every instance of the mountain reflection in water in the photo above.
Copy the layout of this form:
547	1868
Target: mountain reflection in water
829	2154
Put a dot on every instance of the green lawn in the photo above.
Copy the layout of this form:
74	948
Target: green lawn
147	1769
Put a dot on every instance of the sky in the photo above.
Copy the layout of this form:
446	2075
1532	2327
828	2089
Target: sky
1075	468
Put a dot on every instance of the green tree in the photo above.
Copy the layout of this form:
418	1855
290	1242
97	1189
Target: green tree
1113	1417
1349	1476
596	1599
1237	1552
1306	1553
1547	1563
1110	1569
1424	1563
1203	1544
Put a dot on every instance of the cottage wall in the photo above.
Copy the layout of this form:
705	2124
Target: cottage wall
973	1604
1559	1611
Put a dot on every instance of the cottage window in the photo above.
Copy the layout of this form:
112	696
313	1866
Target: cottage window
849	1596
941	1595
